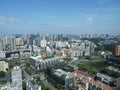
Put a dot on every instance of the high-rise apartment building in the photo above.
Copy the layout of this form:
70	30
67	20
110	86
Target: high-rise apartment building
19	42
8	43
12	43
116	50
17	78
43	43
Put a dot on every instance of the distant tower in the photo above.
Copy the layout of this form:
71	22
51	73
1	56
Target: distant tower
116	50
12	43
43	43
1	44
9	43
19	42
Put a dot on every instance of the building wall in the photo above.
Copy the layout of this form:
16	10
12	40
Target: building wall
64	80
19	42
116	50
32	86
43	64
3	66
17	78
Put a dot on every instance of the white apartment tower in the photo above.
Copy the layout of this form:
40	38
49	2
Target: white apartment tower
43	43
16	78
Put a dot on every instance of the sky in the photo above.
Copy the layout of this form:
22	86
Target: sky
59	16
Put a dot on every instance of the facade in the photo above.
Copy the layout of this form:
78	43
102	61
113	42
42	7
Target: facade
117	85
19	42
24	55
114	60
86	81
41	64
63	77
12	43
1	44
16	54
8	43
3	66
2	54
104	78
17	78
116	50
43	43
32	85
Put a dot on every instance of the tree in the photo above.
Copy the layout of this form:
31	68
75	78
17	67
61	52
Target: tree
87	57
47	88
24	85
79	57
2	73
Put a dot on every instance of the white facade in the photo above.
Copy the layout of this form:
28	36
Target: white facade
2	54
17	78
1	44
43	43
43	64
9	43
3	66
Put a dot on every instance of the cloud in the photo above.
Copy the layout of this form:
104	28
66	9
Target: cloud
4	20
89	20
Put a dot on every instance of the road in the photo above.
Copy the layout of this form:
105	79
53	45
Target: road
47	84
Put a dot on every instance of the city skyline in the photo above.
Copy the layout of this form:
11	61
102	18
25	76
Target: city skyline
63	16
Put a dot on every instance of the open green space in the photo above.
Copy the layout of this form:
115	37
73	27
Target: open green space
67	58
111	73
3	82
41	84
97	58
55	84
94	57
92	68
13	63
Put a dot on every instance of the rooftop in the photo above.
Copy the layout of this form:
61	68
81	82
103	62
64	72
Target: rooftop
63	74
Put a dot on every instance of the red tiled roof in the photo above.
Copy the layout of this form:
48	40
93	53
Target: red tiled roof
81	74
84	74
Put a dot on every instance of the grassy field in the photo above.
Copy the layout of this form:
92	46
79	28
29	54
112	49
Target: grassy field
97	58
92	67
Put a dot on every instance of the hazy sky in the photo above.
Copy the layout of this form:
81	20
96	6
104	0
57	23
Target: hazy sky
59	16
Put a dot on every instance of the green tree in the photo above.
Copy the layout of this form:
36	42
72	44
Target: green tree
47	88
24	85
87	57
2	73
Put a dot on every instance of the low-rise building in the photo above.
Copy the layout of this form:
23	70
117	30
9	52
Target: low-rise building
41	64
63	77
3	66
86	81
2	54
32	85
117	85
105	78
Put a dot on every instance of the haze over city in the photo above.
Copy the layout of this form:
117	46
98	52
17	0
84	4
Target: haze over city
59	16
59	44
